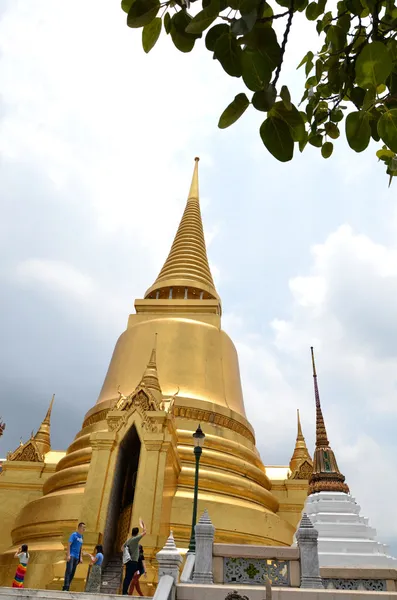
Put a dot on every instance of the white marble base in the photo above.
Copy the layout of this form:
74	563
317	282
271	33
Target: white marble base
345	538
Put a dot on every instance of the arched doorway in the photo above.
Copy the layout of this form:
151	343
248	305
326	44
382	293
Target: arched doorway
121	501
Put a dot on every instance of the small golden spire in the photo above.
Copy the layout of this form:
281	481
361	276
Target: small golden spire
194	186
301	453
43	435
150	377
326	476
300	434
187	267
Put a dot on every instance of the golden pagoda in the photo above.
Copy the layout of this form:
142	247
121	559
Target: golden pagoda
301	464
172	368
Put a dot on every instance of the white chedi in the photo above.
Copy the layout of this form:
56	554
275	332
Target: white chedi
345	538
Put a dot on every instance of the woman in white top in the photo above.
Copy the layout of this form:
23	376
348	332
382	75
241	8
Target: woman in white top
23	556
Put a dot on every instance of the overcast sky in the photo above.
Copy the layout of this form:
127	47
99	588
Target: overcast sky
97	142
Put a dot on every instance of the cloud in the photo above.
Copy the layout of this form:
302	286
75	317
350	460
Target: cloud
56	276
344	305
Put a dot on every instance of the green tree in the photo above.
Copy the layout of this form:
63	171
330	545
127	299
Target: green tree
352	77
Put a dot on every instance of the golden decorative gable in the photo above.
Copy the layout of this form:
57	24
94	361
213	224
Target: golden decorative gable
304	471
27	452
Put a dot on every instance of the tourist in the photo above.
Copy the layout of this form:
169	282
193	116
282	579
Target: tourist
95	576
73	556
23	556
141	571
131	555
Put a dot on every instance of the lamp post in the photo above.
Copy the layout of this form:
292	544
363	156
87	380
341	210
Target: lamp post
198	437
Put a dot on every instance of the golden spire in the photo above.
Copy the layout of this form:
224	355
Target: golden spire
42	437
186	272
150	377
326	475
301	453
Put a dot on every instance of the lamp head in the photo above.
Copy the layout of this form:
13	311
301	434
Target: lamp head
199	437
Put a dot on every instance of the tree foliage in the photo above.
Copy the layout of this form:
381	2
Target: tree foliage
351	79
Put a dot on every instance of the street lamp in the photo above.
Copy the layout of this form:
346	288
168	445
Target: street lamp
198	437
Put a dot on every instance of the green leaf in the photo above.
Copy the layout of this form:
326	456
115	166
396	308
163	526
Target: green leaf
308	67
312	11
277	138
327	149
142	12
167	23
357	96
182	40
309	56
286	97
316	140
319	69
387	128
126	5
385	154
151	33
373	65
248	6
234	111
302	143
228	52
204	18
332	130
369	98
337	37
256	71
265	99
336	115
292	117
358	130
264	39
213	34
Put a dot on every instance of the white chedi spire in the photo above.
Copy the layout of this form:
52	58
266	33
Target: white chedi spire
345	538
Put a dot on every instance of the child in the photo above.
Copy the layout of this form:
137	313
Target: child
95	577
23	556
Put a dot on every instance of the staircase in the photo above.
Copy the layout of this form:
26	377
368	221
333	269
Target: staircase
112	575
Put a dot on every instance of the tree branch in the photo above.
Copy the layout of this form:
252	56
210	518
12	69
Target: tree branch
267	19
284	44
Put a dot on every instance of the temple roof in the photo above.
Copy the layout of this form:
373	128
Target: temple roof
187	264
38	445
326	476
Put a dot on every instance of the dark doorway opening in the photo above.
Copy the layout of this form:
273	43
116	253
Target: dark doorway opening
118	523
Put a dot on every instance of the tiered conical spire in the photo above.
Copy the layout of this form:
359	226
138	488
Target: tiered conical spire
150	378
43	435
326	475
301	453
186	272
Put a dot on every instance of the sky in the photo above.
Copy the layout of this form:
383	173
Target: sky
97	142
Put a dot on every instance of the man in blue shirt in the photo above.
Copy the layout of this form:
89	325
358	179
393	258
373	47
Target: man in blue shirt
73	556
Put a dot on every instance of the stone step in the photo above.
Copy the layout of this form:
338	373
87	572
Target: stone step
30	594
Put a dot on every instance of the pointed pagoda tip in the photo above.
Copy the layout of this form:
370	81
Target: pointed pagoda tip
153	358
194	186
47	418
313	363
300	434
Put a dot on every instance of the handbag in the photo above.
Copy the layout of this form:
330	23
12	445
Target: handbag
126	554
